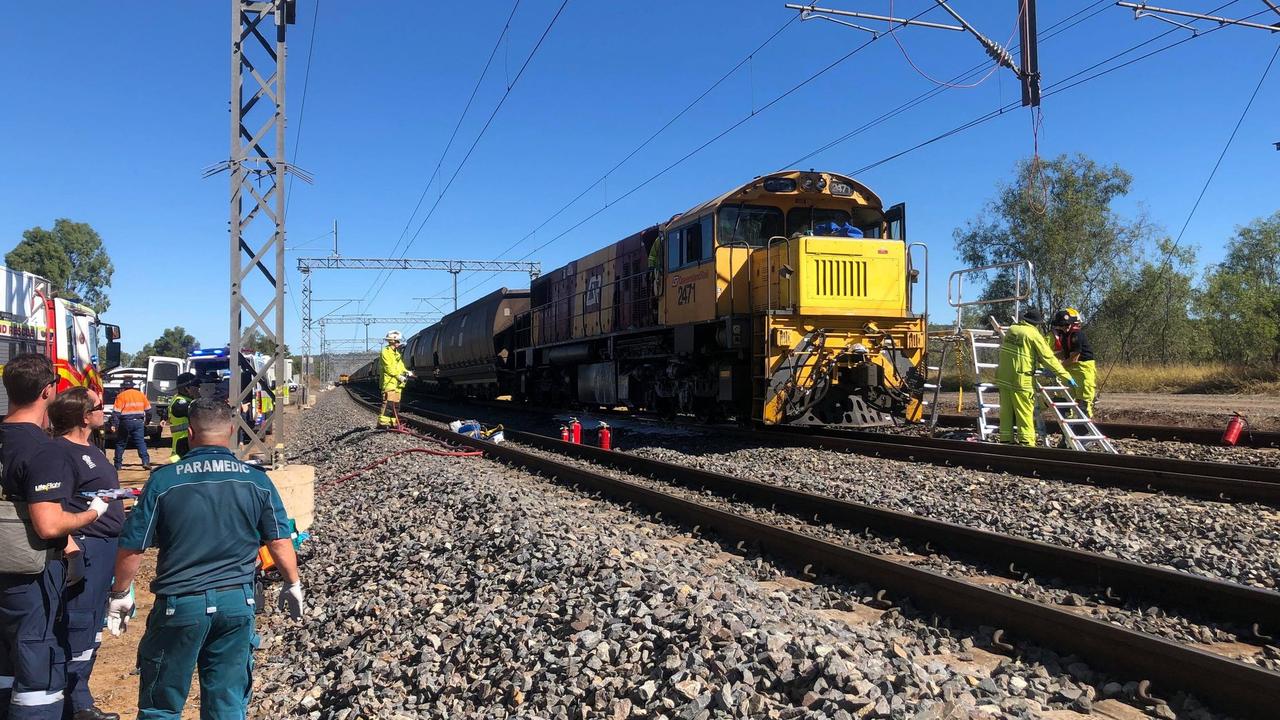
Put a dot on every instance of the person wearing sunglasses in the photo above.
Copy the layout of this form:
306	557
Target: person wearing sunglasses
73	417
37	482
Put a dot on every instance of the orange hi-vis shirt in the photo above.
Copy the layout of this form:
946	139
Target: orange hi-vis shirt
131	402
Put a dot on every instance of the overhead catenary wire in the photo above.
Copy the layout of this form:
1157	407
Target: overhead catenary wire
302	106
754	112
461	164
1060	26
1167	265
506	27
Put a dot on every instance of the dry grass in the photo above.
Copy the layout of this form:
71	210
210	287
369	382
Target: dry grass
1191	378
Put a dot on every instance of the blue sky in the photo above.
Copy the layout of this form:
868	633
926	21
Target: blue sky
111	116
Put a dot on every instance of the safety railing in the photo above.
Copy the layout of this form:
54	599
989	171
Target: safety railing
1023	278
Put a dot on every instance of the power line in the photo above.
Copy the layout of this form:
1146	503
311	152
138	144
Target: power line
476	142
302	107
1266	71
1052	31
1066	83
1057	28
452	136
1167	265
754	112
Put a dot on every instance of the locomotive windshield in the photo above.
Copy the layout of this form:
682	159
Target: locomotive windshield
828	222
752	224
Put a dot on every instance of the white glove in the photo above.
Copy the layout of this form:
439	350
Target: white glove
290	599
403	377
409	373
118	612
99	506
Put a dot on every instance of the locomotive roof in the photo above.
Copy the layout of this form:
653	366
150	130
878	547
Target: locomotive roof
754	191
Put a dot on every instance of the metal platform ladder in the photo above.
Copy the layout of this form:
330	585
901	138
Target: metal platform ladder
1078	429
984	351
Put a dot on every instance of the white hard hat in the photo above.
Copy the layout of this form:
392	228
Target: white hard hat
393	336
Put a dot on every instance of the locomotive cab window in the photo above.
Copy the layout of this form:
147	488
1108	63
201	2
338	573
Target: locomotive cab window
752	224
826	222
690	244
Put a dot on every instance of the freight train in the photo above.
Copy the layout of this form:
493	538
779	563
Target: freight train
785	301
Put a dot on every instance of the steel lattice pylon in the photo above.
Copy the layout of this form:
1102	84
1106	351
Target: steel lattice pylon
257	216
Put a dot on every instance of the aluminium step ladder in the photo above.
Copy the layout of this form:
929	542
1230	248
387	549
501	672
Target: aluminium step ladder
984	351
1078	429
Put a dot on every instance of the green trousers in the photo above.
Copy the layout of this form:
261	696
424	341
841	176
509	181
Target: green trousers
213	630
1085	373
1017	417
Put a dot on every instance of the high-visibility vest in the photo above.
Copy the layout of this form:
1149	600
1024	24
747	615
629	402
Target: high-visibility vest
177	425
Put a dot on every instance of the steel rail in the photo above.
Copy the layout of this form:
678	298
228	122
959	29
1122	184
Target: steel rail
1074	466
1146	431
1217	598
1213	481
1258	473
1234	686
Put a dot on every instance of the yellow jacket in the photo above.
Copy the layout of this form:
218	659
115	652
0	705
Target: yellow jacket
1022	350
392	369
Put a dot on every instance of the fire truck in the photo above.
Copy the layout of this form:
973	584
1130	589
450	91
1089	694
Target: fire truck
34	318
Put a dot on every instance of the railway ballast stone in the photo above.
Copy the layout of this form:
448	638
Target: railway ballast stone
456	587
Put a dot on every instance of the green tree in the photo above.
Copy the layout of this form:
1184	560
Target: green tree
258	343
71	256
1058	215
173	342
1241	299
1148	316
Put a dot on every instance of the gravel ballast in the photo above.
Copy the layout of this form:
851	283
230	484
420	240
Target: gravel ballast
449	587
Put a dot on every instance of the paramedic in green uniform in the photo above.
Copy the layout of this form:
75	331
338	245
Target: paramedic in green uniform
1023	349
208	514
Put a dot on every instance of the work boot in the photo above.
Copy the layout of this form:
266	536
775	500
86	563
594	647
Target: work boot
94	713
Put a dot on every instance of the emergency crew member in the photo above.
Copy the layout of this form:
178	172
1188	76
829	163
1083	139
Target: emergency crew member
1022	350
1076	353
132	407
33	651
74	416
186	390
394	376
208	513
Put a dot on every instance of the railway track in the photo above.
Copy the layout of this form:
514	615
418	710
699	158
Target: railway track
1209	480
1140	431
1245	689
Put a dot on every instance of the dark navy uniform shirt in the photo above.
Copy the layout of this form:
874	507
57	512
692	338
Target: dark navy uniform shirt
34	469
1074	341
92	472
208	514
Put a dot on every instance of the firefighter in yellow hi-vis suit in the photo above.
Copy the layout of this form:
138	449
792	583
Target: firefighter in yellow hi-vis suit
392	380
1023	350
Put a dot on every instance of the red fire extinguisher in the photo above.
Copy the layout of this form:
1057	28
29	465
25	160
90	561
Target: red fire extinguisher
575	431
564	433
1235	425
606	437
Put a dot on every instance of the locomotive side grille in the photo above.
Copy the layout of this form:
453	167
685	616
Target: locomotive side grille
839	278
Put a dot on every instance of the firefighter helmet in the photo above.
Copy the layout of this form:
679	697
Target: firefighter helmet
1066	318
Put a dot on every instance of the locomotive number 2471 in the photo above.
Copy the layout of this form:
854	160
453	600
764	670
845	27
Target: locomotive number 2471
684	294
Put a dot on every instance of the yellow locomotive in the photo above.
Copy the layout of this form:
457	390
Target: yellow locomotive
787	300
